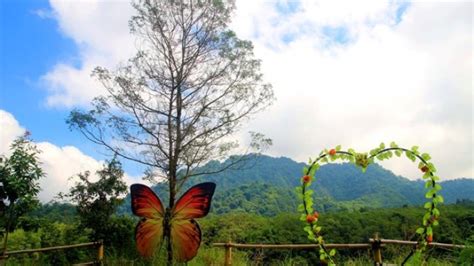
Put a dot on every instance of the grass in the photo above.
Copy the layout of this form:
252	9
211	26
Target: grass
215	256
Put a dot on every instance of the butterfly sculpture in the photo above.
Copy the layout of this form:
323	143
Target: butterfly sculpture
185	234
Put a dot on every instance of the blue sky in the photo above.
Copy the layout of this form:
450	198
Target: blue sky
31	45
358	56
28	50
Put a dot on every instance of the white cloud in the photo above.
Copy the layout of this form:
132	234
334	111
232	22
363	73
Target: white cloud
409	82
10	129
376	77
100	30
58	163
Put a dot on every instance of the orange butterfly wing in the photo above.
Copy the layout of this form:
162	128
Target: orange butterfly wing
149	236
149	231
185	231
185	238
195	203
145	203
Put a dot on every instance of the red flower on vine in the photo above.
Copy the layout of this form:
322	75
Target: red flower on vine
316	215
332	152
310	218
424	169
429	238
306	179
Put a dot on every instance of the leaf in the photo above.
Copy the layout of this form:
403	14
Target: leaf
428	183
428	205
332	252
429	230
426	156
305	170
427	216
303	217
440	198
301	208
320	239
382	146
429	194
432	167
420	230
338	147
393	144
398	153
312	171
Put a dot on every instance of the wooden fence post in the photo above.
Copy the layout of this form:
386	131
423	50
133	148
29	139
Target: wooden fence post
228	254
100	252
377	251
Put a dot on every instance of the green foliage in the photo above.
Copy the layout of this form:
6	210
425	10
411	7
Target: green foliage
19	176
97	201
241	227
339	227
363	160
466	256
339	187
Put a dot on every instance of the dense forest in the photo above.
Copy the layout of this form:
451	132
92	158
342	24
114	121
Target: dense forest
57	224
265	186
257	204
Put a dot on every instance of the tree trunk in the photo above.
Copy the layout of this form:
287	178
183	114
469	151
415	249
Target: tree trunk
167	224
9	215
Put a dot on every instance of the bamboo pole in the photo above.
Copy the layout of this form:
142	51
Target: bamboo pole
376	249
16	252
414	243
369	245
100	252
292	246
228	254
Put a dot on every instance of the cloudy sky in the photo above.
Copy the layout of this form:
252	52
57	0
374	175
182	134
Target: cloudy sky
354	73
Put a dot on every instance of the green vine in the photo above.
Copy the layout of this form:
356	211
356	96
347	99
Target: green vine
363	160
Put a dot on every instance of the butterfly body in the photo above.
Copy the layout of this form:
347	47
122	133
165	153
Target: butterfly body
176	223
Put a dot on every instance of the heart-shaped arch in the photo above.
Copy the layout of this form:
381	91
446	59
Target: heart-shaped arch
363	160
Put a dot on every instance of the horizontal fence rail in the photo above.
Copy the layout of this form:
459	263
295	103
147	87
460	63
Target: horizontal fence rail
291	246
414	243
98	244
374	243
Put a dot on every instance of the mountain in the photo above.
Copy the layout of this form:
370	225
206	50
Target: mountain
265	185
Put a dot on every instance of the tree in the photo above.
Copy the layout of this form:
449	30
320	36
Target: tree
176	104
19	187
97	201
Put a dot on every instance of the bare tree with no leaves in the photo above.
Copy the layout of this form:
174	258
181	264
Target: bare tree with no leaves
174	105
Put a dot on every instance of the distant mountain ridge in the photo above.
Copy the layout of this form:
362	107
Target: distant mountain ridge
266	186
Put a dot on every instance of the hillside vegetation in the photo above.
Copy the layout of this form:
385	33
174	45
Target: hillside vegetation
265	186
